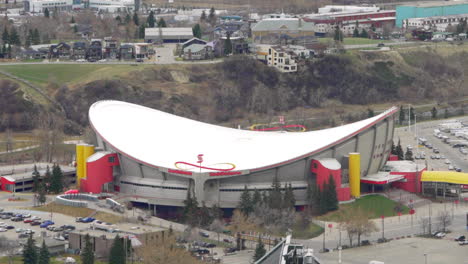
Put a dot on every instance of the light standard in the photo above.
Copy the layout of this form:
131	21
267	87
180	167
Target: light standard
425	258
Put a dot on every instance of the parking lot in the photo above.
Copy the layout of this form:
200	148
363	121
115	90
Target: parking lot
447	155
408	250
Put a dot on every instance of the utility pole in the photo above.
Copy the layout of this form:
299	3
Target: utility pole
383	227
430	220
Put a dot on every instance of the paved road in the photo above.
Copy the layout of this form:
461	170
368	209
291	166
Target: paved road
363	46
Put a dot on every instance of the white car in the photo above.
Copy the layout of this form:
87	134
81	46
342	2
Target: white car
450	167
447	161
440	235
103	60
19	230
81	60
3	229
26	215
35	218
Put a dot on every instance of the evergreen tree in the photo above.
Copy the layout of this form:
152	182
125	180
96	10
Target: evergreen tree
332	199
117	252
46	12
5	36
47	180
87	254
127	19
118	19
227	45
399	151
56	182
370	113
265	198
434	112
28	40
323	204
245	202
197	31
36	177
72	20
162	23
256	198
393	151
136	20
9	51
275	198
151	20
212	16
42	194
356	30
75	28
141	31
36	38
412	114
409	155
338	36
203	16
190	210
260	250
402	115
289	201
14	37
364	34
205	216
44	256
30	252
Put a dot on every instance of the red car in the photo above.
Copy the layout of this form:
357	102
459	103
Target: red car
34	223
27	220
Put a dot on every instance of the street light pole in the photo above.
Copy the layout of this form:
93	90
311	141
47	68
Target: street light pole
324	231
425	258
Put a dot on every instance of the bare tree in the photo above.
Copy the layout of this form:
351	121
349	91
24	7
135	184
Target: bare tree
217	226
9	248
49	134
357	224
424	224
444	219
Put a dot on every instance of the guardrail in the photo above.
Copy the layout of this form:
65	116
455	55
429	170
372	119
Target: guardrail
68	199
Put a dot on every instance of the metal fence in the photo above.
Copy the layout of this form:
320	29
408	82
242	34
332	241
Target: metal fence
75	199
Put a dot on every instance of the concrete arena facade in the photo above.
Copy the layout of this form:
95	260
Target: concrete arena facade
167	185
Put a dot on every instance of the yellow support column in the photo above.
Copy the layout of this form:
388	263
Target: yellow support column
355	174
88	151
79	164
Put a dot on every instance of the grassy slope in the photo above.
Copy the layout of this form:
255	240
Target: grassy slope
375	205
69	74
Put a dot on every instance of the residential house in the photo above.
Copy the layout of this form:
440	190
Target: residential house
111	49
126	52
143	50
79	50
94	51
60	51
180	47
281	59
198	52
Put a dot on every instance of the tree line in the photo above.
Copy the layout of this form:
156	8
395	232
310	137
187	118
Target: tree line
52	182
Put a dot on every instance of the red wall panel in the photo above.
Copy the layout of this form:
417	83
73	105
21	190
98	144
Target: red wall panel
98	173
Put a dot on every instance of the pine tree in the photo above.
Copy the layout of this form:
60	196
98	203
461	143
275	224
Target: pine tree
203	16
289	201
393	151
245	202
36	177
212	16
197	31
42	194
72	20
30	252
46	13
260	250
141	31
227	45
117	252
190	210
364	34
75	28
402	115
56	182
399	151
14	37
127	19
44	256
151	20
136	20
118	19
338	36
332	199
275	198
162	23
5	36
409	155
36	38
87	254
256	198
356	30
434	112
322	194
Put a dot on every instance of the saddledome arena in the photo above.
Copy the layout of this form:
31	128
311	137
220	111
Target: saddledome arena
154	157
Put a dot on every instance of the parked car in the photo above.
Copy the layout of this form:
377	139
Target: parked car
23	235
440	235
26	221
230	250
35	223
68	227
462	243
19	230
203	251
85	220
3	229
460	238
26	215
10	227
16	219
46	223
35	218
210	245
204	234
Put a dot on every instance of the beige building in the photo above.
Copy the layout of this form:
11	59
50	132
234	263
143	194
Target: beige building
281	59
271	31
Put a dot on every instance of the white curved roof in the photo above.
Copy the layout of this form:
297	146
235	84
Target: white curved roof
160	139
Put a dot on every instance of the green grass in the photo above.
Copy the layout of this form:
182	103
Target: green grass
69	74
375	205
355	41
312	231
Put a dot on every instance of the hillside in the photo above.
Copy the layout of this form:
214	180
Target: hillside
240	90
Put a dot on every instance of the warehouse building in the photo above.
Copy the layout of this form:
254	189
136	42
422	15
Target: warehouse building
168	35
429	9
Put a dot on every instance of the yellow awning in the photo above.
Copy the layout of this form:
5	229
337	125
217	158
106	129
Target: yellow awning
445	176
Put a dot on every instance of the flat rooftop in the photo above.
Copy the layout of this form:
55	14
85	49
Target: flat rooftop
436	3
